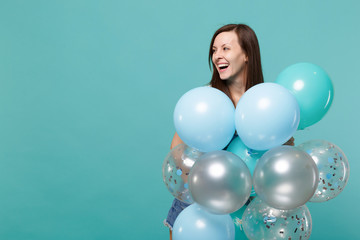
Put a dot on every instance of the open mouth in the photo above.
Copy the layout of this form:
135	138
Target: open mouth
223	67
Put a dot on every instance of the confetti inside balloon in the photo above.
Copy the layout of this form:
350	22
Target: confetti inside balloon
260	221
237	219
333	168
176	168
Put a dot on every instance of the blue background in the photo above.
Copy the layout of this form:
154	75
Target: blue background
87	92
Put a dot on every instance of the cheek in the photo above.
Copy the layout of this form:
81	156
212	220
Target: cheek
240	60
212	61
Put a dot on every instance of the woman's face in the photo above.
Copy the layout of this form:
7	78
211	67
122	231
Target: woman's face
228	56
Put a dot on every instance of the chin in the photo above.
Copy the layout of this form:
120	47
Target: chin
224	78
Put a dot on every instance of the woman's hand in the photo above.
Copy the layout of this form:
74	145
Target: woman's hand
290	142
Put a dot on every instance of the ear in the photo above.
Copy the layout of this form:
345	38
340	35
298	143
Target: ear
246	59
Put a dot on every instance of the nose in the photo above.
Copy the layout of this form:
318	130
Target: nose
216	56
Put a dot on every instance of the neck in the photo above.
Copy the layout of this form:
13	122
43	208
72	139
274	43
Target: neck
237	88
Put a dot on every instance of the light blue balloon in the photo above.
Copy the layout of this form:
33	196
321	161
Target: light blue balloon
266	116
195	223
249	156
311	87
204	119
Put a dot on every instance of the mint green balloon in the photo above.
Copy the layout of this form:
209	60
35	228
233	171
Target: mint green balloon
311	87
237	219
249	156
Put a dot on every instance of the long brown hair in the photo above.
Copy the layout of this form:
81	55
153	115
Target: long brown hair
250	45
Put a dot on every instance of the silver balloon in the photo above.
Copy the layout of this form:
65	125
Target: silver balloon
333	168
220	181
176	168
285	177
262	222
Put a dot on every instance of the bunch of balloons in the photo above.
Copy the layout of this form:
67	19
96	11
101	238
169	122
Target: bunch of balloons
217	169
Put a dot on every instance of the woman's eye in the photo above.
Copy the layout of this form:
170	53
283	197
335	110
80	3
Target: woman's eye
225	48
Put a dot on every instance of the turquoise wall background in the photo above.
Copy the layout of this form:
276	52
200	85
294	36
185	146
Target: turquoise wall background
87	91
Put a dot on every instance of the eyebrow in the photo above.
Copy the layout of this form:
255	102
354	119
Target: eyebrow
221	45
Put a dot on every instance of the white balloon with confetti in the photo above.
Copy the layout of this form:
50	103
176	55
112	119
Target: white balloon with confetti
176	169
333	168
262	222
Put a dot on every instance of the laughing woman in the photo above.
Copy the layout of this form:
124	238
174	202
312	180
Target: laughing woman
236	65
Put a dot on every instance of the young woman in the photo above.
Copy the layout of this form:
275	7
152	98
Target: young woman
235	59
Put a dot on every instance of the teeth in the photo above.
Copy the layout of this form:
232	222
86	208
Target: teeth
223	65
